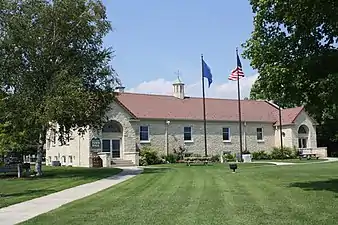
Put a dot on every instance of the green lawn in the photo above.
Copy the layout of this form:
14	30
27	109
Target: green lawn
293	160
256	194
14	190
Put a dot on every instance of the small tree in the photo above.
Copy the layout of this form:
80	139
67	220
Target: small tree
53	66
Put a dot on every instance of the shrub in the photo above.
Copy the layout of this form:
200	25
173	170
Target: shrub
180	152
286	153
295	152
229	157
260	155
215	158
172	158
148	157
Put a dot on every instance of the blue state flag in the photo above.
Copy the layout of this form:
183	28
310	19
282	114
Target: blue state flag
206	72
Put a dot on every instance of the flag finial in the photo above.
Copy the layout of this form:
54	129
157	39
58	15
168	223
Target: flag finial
178	80
178	73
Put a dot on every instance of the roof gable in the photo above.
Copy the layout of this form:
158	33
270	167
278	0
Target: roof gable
289	115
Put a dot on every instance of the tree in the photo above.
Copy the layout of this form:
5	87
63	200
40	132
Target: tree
296	54
54	67
258	92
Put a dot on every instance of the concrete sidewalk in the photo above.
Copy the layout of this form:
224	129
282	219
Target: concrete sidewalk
26	210
328	159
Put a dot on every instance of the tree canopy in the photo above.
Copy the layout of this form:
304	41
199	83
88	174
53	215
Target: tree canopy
294	48
53	65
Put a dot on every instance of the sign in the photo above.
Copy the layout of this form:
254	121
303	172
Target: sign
95	143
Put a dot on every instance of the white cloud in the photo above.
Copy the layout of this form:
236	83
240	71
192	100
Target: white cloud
216	90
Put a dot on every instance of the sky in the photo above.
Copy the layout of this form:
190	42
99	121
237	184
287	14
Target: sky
154	39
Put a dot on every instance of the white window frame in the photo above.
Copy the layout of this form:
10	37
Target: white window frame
260	140
229	131
191	138
148	132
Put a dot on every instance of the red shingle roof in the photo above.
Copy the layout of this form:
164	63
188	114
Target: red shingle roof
289	115
149	106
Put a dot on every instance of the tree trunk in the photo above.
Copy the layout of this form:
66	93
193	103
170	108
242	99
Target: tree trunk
42	141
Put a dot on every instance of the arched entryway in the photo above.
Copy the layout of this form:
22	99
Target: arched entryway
112	134
303	136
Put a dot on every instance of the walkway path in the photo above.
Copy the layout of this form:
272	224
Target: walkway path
26	210
290	163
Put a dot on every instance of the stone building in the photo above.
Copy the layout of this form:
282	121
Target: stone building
165	122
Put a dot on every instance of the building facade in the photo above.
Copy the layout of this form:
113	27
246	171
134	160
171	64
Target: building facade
165	123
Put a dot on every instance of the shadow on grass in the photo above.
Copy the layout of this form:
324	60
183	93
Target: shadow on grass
68	172
157	170
71	172
29	193
326	185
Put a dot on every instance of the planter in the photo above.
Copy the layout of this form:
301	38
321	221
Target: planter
246	158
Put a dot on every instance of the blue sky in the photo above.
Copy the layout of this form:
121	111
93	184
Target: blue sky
153	39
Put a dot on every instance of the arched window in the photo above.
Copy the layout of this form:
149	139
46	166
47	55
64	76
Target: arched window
112	126
302	130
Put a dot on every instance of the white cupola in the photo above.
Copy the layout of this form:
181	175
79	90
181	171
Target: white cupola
178	88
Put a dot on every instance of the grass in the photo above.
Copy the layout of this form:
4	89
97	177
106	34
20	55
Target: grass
293	160
210	195
14	190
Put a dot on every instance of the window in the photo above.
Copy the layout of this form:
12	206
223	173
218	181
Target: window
56	158
187	134
144	133
70	159
260	134
49	159
64	159
226	134
112	126
105	145
302	130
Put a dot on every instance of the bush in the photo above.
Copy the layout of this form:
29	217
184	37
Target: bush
215	158
286	153
229	157
148	157
180	152
260	155
295	152
172	158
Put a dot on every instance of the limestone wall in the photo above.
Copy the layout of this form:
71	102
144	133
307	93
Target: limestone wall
157	130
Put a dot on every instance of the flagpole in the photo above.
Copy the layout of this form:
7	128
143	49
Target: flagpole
204	117
239	114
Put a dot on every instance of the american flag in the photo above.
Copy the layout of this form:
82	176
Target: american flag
237	72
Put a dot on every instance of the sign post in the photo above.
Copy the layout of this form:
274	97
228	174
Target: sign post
95	144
